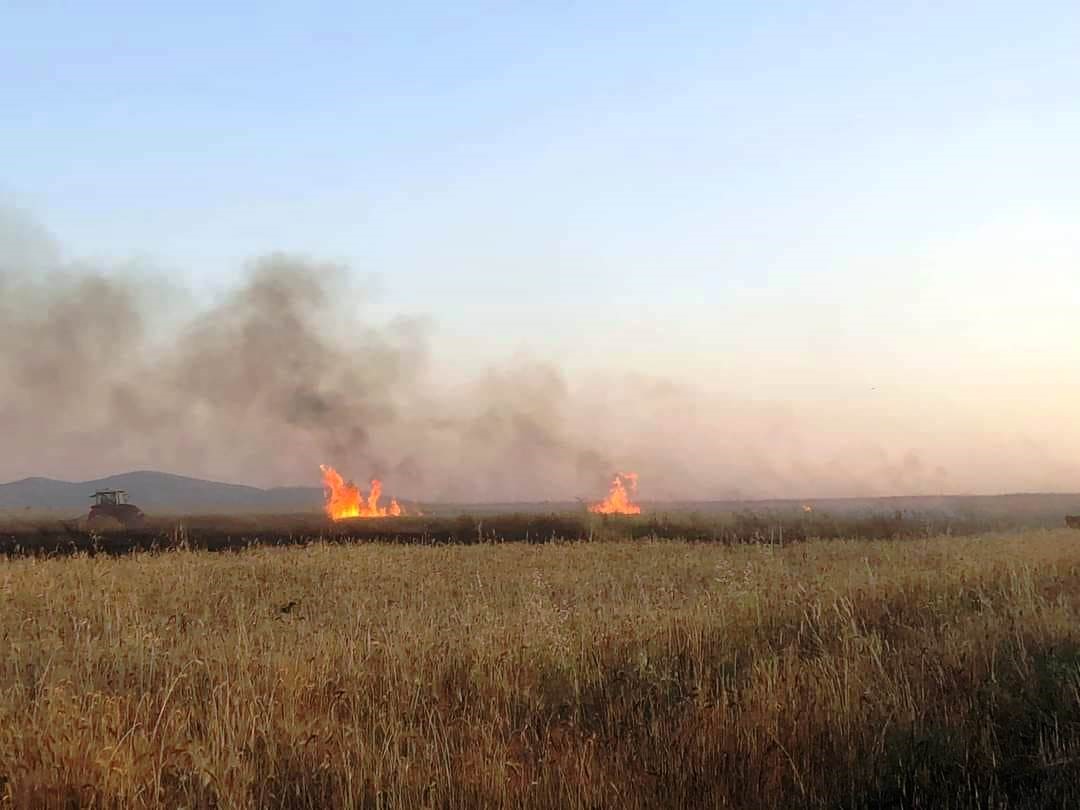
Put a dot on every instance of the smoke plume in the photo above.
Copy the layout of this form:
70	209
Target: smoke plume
258	383
108	369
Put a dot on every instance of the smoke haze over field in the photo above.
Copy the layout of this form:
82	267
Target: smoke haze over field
104	369
502	251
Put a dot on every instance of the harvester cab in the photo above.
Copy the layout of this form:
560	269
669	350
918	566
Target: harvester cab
113	504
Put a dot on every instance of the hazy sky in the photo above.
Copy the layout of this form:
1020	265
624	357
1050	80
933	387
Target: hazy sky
864	207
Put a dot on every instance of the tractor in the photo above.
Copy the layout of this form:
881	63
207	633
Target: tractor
112	504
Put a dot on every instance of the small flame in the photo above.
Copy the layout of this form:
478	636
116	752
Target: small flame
345	500
620	497
807	508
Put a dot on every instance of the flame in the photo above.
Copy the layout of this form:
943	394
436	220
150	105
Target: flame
807	508
345	500
619	500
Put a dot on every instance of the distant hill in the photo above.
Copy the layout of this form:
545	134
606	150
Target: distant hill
157	492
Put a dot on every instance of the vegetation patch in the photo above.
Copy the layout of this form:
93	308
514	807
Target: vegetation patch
937	672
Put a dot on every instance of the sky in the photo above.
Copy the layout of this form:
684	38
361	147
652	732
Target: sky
861	210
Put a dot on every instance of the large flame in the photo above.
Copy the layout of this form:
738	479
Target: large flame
620	498
345	500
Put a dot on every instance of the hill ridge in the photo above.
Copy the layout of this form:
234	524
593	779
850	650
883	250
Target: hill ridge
156	490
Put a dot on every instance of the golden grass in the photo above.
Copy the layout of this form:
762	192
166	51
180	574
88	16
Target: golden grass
927	673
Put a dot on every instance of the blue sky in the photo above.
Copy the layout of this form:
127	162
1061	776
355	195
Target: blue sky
751	194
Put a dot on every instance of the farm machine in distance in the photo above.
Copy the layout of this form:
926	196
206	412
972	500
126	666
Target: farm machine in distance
112	504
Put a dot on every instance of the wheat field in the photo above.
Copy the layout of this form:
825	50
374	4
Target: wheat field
941	672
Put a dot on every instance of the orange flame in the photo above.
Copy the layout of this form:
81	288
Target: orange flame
345	500
619	500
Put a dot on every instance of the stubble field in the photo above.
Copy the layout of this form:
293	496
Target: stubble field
936	672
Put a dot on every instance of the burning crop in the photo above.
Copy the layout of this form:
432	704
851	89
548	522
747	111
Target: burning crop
345	500
620	497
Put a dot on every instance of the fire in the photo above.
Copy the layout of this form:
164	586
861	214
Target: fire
345	500
807	508
620	497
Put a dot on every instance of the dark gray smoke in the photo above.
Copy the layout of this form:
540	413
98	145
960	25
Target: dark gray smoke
106	370
264	356
269	380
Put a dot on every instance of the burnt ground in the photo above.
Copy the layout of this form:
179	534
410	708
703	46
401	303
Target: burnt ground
230	533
